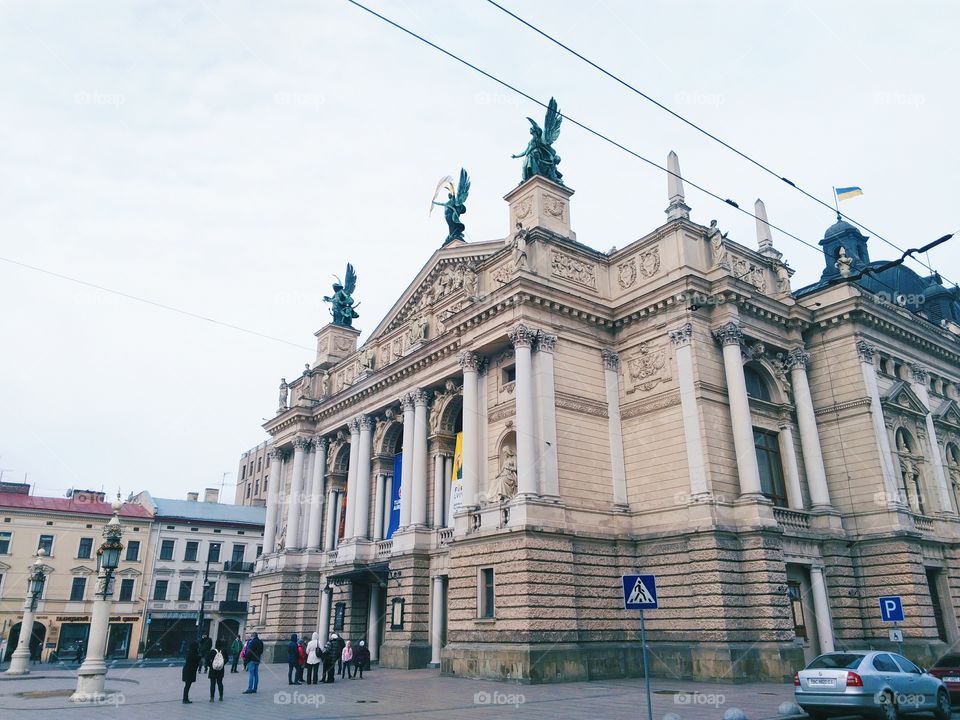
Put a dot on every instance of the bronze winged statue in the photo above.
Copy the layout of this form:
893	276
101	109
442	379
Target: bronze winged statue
454	207
540	158
341	302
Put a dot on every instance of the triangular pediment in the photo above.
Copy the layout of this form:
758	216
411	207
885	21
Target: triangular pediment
902	399
4	567
129	572
948	414
81	570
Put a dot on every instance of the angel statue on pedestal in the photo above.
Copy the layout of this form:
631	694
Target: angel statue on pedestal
341	302
540	158
454	207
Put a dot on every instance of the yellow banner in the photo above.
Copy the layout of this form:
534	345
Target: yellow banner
456	480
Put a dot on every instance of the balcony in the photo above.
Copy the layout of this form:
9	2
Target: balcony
792	519
384	548
235	607
238	566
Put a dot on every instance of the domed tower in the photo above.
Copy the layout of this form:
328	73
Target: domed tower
843	234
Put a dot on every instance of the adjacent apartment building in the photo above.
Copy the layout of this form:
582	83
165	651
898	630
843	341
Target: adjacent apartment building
253	475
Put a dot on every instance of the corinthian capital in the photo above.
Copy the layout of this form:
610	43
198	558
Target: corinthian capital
521	336
798	357
865	350
729	334
354	425
545	341
408	401
321	443
420	396
367	423
611	360
301	443
681	336
919	374
469	360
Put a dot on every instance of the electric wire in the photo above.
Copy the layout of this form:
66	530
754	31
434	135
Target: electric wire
699	129
593	132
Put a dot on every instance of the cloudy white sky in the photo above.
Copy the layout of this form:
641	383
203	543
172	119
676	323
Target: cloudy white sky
227	158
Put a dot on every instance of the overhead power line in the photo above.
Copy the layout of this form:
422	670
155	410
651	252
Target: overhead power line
700	129
590	130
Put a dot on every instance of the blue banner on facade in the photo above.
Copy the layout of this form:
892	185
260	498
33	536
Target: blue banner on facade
395	496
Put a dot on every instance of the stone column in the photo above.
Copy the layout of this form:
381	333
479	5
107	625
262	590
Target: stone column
418	501
522	338
301	446
791	471
470	362
273	502
436	622
20	660
330	536
406	467
689	409
92	674
890	474
549	474
310	462
730	337
373	623
361	518
324	619
387	502
798	360
821	608
920	379
611	374
438	507
316	492
352	482
378	507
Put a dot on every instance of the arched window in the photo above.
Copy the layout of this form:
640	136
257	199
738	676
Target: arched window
767	446
756	386
909	471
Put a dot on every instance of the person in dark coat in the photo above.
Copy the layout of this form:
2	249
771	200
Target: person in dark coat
206	645
361	659
339	643
293	660
251	656
191	664
216	675
329	660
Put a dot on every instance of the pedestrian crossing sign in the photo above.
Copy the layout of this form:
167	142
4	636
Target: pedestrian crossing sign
639	592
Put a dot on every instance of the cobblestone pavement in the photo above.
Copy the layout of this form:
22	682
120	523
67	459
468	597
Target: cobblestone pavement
155	692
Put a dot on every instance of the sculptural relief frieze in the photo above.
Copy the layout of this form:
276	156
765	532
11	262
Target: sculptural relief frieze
647	368
570	268
650	262
627	273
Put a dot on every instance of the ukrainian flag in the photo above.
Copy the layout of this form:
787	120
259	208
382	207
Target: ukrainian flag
845	193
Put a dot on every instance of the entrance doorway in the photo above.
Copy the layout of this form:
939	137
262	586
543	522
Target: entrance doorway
227	631
36	641
800	595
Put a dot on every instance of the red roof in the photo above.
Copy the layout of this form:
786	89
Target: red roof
80	506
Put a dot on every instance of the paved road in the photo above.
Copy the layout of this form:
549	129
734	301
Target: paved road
155	692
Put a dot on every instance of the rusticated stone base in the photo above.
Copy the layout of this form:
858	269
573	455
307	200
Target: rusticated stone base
405	656
571	662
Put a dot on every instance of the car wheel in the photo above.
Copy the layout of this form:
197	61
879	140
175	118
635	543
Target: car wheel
888	708
943	710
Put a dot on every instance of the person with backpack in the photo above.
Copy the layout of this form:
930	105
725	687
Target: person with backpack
329	659
217	663
235	648
361	659
314	659
252	654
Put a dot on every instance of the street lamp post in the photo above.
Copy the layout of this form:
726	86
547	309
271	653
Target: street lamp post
20	660
92	675
204	590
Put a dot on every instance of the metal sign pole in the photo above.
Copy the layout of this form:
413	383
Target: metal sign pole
896	626
646	668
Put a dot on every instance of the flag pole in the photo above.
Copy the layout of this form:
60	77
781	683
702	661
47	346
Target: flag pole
836	203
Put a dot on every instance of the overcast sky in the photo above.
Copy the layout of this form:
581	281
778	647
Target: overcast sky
228	158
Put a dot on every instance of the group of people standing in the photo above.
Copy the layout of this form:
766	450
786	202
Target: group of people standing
336	657
207	658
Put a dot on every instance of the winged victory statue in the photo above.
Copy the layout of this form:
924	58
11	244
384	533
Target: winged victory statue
540	158
454	207
341	302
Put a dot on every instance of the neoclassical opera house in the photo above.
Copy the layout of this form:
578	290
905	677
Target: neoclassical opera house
778	458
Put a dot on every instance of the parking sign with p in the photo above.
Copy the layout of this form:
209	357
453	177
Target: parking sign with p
891	608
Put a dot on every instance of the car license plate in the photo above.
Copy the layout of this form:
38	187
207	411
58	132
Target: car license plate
950	678
820	682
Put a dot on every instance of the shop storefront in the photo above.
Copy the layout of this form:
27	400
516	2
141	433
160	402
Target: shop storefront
169	634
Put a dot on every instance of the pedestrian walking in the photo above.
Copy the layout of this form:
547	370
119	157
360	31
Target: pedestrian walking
218	664
252	654
293	657
235	647
329	660
361	659
206	645
191	664
347	656
314	659
79	657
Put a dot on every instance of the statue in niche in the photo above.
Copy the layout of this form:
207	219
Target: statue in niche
717	243
519	246
504	486
366	360
418	330
844	262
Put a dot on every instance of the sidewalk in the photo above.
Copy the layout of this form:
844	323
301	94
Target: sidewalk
152	692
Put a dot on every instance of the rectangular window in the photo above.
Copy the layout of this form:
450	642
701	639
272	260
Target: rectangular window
126	590
796	606
233	591
86	547
190	553
186	589
5	537
133	550
46	544
257	486
160	590
248	491
767	445
509	374
259	464
166	550
76	590
243	473
487	594
209	590
213	552
932	578
259	550
238	552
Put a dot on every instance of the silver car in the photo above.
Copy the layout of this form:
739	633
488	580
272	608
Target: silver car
868	682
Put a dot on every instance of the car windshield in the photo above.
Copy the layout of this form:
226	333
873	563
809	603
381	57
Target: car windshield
836	661
948	661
